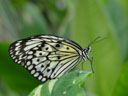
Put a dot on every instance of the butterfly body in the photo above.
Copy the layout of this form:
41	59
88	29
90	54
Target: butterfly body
47	57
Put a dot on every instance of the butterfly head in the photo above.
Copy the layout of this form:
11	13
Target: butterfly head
87	50
86	56
85	53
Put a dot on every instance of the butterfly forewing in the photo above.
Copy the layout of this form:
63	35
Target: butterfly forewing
46	57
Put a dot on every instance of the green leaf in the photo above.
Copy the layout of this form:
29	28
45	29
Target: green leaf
90	21
14	76
18	4
70	84
124	5
122	84
120	22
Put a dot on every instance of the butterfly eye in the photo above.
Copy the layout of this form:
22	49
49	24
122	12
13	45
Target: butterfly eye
89	49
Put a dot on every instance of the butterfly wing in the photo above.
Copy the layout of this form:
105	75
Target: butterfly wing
46	57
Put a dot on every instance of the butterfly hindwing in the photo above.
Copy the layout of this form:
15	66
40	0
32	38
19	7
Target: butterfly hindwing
46	57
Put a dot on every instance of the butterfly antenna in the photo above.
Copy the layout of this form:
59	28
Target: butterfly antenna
97	39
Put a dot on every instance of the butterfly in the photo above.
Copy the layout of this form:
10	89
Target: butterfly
48	57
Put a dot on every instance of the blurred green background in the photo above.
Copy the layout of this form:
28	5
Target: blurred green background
79	20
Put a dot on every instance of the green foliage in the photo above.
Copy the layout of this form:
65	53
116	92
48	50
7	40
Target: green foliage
14	76
70	84
32	21
9	23
96	23
18	3
120	22
122	83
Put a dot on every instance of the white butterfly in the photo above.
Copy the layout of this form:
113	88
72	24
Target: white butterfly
48	57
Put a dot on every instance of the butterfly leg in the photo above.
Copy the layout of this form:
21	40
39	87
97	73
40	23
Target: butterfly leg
82	67
91	62
78	73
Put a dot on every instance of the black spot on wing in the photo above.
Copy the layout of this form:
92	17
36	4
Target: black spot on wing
57	45
43	43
